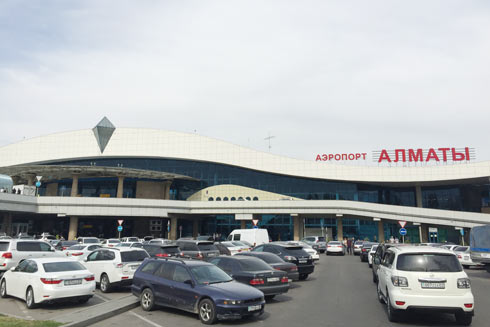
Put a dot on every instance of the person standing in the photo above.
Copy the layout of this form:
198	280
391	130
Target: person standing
349	246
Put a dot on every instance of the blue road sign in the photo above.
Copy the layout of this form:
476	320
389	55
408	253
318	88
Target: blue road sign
38	184
403	231
255	227
462	231
119	228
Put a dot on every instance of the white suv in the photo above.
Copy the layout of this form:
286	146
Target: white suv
114	266
425	278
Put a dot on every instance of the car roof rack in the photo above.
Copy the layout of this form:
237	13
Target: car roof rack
173	259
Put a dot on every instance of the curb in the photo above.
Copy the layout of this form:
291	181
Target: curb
98	312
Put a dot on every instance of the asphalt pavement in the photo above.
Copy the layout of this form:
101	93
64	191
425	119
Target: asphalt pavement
339	293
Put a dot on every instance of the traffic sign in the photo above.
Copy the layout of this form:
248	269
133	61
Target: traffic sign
120	222
403	231
461	231
402	223
119	228
255	221
255	227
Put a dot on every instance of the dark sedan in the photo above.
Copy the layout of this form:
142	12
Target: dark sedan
365	248
195	286
63	245
254	272
276	262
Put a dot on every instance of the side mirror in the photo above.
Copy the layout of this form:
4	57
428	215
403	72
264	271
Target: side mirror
189	282
85	259
13	269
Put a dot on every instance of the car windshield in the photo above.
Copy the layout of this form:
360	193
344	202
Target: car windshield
76	247
430	262
207	247
210	274
270	258
90	240
131	256
4	246
296	251
113	241
461	248
253	264
321	239
171	249
62	266
374	248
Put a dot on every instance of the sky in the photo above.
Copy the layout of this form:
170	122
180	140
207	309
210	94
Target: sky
319	76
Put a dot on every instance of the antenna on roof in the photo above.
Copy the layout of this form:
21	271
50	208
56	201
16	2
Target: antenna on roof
269	139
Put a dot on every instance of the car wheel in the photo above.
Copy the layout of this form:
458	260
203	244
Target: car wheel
3	289
463	319
105	284
392	312
147	299
380	296
30	302
303	276
207	312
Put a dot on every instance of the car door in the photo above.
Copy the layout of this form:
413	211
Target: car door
384	272
182	293
93	264
14	279
162	283
47	250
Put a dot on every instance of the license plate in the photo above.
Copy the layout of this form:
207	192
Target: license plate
211	254
466	257
273	279
433	285
485	255
73	282
303	261
254	307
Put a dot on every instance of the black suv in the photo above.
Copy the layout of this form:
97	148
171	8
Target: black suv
201	250
290	253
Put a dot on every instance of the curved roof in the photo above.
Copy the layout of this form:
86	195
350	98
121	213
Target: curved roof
152	143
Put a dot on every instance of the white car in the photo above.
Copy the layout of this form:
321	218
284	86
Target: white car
130	245
48	280
463	254
233	248
310	250
80	252
335	247
371	254
414	277
131	239
111	242
114	266
358	247
88	240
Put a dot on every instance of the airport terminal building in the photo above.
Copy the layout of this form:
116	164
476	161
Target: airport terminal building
172	184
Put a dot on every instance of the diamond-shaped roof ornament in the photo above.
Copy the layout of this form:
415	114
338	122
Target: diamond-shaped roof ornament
103	132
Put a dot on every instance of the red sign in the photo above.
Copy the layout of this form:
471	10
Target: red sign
341	156
425	155
120	222
402	223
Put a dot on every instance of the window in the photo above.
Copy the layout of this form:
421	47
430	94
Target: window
4	246
428	262
248	198
133	256
236	237
256	198
225	198
240	199
31	267
210	198
22	266
253	264
62	266
29	246
388	259
181	274
233	198
93	256
93	247
166	270
150	267
218	199
106	255
259	249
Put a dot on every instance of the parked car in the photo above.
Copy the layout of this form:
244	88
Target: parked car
372	251
81	251
255	272
357	247
63	245
245	246
129	245
307	248
366	247
425	278
335	247
111	242
223	250
205	238
480	245
162	251
463	255
14	251
88	240
114	266
379	254
42	280
195	286
256	236
276	262
131	239
159	241
233	248
201	250
318	243
449	247
290	253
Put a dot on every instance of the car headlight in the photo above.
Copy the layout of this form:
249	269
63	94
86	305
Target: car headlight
464	283
399	281
233	302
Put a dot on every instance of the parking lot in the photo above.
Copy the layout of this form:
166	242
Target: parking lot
339	293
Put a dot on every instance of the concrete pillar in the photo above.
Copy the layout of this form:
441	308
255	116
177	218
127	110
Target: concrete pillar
120	186
166	192
381	232
195	227
73	229
173	228
424	233
340	229
418	196
298	225
7	223
74	185
30	179
243	224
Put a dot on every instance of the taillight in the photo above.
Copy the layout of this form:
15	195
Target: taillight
277	269
459	256
400	302
89	278
163	255
50	281
257	281
468	305
182	254
7	255
118	265
295	268
199	255
284	280
77	254
64	248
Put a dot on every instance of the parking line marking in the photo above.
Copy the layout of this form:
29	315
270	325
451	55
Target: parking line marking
103	298
145	320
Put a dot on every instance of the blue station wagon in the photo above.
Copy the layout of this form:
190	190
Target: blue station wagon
197	287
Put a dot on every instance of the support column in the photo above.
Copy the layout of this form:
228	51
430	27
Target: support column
30	179
243	224
166	191
74	185
173	228
418	196
340	229
381	232
424	233
7	224
73	229
195	227
298	225
120	186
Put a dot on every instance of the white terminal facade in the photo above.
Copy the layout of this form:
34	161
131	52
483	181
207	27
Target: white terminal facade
171	184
